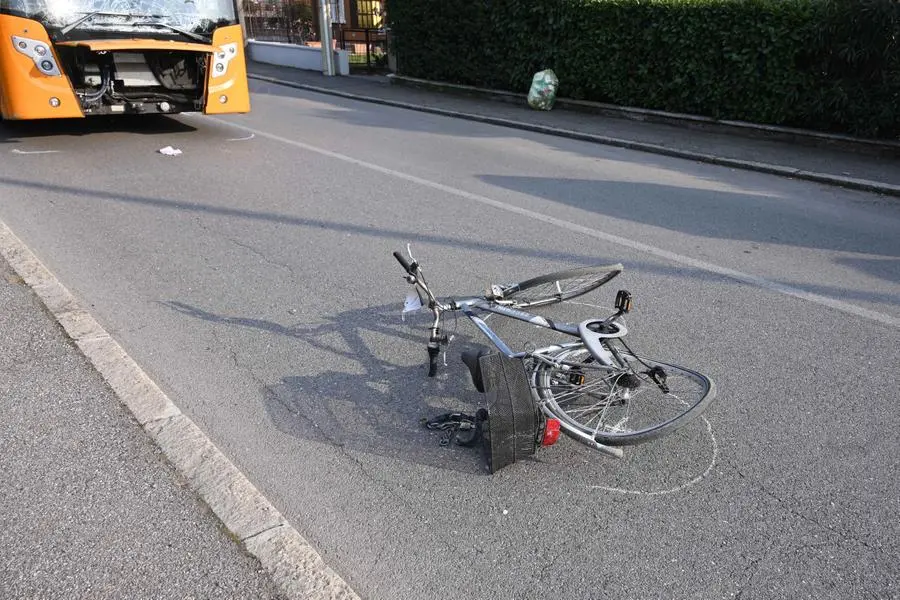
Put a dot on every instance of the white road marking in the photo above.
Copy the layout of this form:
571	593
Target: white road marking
694	481
243	139
755	280
17	151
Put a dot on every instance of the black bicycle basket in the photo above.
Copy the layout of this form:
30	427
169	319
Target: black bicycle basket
514	420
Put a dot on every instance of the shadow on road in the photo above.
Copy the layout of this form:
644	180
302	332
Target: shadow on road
707	213
353	396
14	131
883	268
300	221
364	388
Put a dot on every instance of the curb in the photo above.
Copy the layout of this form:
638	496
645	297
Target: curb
771	169
808	137
294	566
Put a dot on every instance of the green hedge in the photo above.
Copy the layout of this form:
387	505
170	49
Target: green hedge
831	65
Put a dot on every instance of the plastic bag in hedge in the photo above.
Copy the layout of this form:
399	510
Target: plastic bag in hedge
542	94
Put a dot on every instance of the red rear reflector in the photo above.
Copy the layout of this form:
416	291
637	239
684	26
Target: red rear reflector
551	432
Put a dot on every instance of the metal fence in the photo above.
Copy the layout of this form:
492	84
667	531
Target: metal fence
296	22
367	47
290	21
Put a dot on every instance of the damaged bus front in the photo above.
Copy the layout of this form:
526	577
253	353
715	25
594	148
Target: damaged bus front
76	58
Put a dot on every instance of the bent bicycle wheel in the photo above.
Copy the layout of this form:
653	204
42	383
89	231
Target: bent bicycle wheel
559	286
618	406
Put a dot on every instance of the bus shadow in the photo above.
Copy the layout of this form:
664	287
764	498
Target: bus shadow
12	131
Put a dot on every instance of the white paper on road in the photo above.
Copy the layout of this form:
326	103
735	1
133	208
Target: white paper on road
170	151
412	303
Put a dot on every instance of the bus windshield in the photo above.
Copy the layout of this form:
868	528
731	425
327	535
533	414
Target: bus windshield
131	16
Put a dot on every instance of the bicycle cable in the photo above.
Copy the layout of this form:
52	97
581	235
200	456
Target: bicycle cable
657	373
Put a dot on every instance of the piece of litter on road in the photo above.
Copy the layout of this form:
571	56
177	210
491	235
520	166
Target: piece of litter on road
412	302
170	151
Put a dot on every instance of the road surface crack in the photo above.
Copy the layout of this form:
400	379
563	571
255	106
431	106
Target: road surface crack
263	256
793	511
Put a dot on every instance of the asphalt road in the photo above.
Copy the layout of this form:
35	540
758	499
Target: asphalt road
252	278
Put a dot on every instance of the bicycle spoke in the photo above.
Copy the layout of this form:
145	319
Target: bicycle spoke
603	392
618	403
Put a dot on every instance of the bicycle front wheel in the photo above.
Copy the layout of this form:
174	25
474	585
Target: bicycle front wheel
559	286
619	406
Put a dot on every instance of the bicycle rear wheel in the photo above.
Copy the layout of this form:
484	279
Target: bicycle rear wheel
559	286
620	406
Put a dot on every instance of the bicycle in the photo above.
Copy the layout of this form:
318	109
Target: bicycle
594	388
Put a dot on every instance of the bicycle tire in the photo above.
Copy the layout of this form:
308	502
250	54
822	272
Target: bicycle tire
549	288
610	414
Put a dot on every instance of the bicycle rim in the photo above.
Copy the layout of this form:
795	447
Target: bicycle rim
621	406
559	286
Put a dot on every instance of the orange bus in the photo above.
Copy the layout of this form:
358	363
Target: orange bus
78	58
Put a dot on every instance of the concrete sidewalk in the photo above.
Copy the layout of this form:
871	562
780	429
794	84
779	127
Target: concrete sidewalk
877	169
89	506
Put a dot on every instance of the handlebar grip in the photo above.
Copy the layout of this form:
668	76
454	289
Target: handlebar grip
403	262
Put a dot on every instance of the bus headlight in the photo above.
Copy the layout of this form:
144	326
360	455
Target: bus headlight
222	58
39	53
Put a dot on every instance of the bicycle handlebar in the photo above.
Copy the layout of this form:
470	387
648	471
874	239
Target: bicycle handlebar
410	268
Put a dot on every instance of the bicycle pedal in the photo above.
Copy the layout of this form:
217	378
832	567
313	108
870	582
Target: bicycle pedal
623	301
658	374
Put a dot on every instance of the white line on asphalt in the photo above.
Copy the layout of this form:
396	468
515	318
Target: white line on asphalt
243	139
294	565
17	151
747	278
695	480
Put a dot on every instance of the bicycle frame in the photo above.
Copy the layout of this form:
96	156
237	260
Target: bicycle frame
469	305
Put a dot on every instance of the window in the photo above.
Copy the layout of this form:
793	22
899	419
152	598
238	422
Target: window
369	14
